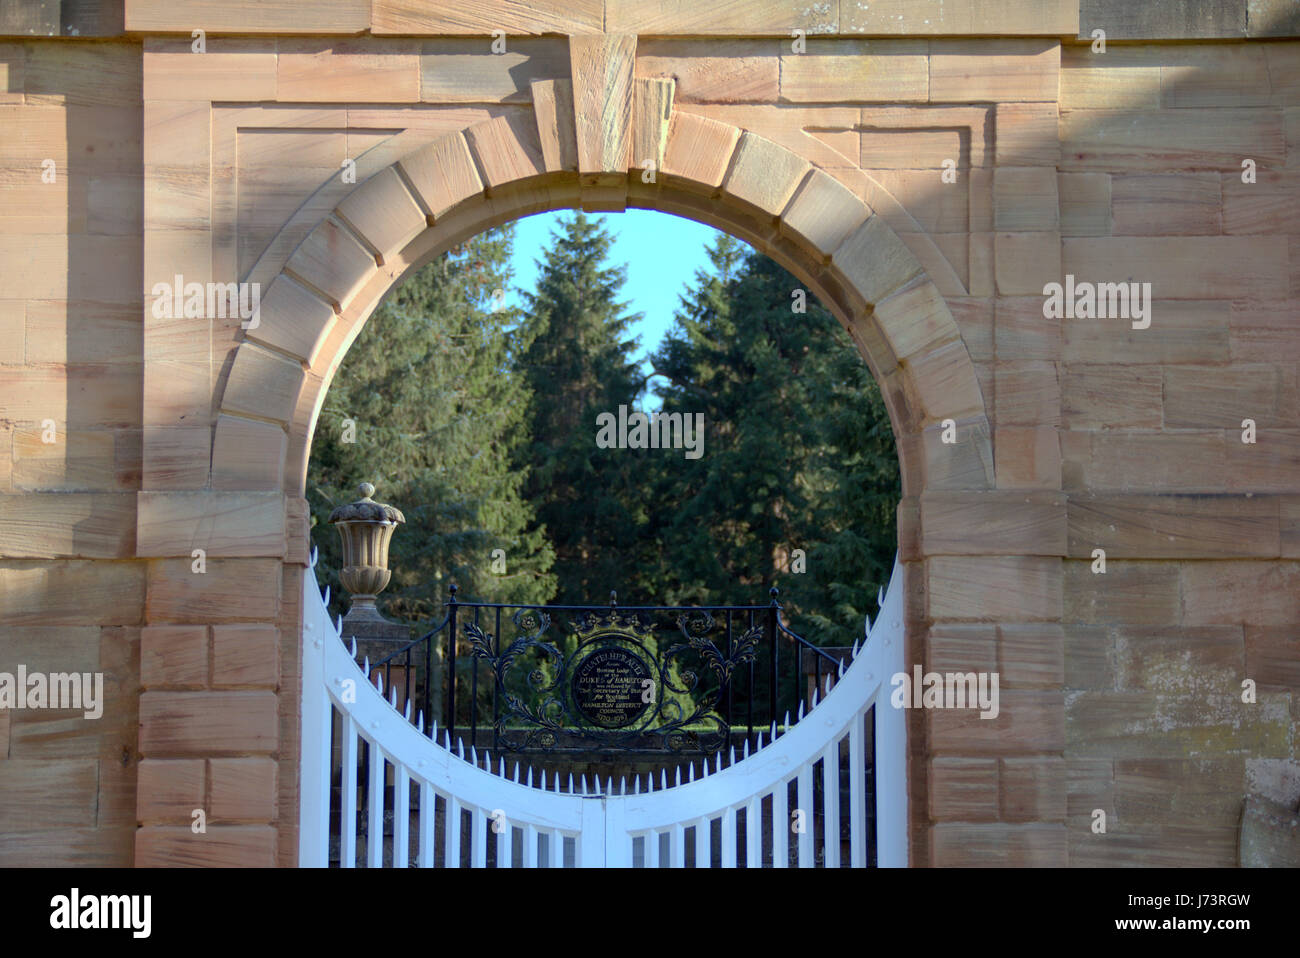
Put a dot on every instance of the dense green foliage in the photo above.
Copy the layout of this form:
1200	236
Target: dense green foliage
481	426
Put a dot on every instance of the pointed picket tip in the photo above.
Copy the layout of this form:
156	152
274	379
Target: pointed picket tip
758	746
379	683
327	596
679	776
365	667
313	561
516	775
856	648
419	720
731	759
354	647
744	753
649	782
571	788
663	778
814	702
406	712
392	697
717	767
473	755
460	748
529	782
828	679
691	773
446	740
502	770
841	675
787	725
622	785
584	783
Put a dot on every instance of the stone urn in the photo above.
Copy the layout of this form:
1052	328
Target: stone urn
366	528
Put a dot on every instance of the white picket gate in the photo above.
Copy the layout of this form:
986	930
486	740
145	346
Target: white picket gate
485	810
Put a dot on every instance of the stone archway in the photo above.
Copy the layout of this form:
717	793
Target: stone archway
465	182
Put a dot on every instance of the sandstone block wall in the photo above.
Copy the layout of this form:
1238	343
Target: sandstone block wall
927	168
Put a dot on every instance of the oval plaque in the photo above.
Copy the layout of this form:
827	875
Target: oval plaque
608	687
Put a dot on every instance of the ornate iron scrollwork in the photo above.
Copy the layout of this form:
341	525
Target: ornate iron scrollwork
613	687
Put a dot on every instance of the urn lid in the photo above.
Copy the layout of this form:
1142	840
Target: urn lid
366	509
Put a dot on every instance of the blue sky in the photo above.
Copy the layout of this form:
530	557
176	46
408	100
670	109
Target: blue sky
661	252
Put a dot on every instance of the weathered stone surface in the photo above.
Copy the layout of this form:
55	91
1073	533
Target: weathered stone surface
248	16
652	108
169	790
994	588
1123	77
1186	204
1027	135
1112	397
263	384
245	656
243	790
1163	19
1127	593
507	148
467	71
384	213
1174	526
1024	198
1028	457
1011	523
1251	593
1022	332
1163	141
1026	262
856	71
602	100
980	71
1027	721
948	17
713	71
221	846
1032	789
1175	726
174	656
1270	834
230	69
207	723
70	592
964	789
342	71
230	590
728	17
875	261
443	173
331	260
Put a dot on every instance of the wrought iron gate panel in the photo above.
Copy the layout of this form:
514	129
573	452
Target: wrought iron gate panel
603	824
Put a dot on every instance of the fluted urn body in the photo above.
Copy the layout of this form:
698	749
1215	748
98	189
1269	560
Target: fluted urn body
365	528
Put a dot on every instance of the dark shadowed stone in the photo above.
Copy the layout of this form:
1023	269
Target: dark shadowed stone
1163	19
